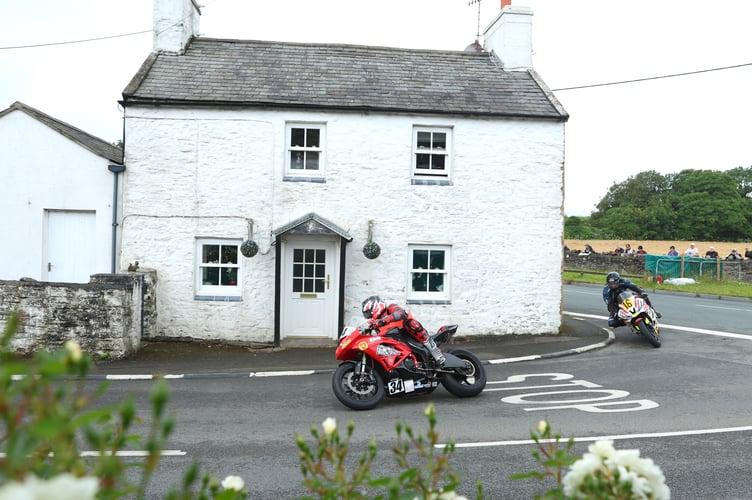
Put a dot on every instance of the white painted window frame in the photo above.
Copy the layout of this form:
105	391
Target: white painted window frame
291	149
218	292
442	296
446	152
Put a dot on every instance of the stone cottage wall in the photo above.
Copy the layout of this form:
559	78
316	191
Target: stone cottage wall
224	168
108	316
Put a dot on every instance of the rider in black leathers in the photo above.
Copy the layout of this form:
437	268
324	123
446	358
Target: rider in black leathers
615	284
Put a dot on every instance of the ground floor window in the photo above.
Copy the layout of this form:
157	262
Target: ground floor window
218	267
429	272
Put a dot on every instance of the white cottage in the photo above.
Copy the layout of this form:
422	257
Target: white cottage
451	161
58	199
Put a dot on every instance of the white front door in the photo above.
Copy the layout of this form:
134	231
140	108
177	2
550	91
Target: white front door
310	287
71	246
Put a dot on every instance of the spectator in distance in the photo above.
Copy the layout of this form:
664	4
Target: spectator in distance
640	250
672	251
588	250
734	255
711	253
692	251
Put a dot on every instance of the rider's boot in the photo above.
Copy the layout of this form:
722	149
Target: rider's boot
438	356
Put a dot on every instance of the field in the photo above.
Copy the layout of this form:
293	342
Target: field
660	247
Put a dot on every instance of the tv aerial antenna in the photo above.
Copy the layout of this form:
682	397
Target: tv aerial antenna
477	33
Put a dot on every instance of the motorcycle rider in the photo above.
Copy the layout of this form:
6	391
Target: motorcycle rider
379	314
615	284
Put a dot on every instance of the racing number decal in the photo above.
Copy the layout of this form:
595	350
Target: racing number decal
396	385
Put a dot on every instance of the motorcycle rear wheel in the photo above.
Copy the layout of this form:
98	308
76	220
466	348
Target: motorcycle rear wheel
469	382
359	392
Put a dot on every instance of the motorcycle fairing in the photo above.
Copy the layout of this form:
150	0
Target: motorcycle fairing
406	386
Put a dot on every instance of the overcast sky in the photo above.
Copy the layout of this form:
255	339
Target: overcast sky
694	121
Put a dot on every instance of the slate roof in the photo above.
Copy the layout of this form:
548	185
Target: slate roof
94	144
220	72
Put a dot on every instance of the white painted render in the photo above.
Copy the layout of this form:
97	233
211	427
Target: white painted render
203	173
174	24
510	37
43	170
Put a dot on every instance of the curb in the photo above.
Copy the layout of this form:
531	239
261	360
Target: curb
579	350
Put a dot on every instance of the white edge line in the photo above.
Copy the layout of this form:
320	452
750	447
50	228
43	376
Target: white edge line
282	373
674	327
613	437
129	453
129	377
513	360
136	453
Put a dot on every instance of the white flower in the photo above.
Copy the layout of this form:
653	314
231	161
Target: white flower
646	478
233	483
61	487
329	425
542	426
74	350
602	449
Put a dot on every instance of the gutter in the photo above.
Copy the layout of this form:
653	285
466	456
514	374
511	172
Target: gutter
115	169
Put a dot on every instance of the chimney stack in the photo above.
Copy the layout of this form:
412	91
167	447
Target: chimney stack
175	23
510	37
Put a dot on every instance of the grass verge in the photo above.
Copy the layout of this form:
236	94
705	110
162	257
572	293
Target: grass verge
706	287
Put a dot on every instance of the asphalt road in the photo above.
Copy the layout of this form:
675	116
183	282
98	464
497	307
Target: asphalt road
686	405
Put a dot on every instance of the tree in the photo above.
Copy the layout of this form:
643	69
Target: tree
743	177
709	206
691	204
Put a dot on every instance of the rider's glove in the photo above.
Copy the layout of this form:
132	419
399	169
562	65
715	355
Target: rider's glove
644	295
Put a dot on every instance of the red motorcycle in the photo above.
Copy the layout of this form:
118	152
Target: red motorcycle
390	363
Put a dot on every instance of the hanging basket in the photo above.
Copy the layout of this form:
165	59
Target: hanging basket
249	248
371	250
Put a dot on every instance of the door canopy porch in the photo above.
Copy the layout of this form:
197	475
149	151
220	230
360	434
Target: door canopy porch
312	224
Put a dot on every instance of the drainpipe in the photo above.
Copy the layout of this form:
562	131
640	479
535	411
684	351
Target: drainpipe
115	169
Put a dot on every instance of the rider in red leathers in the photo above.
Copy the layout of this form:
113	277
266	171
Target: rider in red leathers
379	314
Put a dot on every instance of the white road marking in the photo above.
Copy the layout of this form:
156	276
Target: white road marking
281	373
727	308
129	453
675	327
137	453
614	437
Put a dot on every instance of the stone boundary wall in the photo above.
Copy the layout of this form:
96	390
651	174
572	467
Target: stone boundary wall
634	265
108	316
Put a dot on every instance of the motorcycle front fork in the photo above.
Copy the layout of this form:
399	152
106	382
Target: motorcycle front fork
362	365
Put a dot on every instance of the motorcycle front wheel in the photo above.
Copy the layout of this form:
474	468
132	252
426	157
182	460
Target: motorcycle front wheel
468	381
358	391
648	331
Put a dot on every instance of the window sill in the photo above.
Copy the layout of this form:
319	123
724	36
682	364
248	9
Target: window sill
219	298
431	182
290	178
429	302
